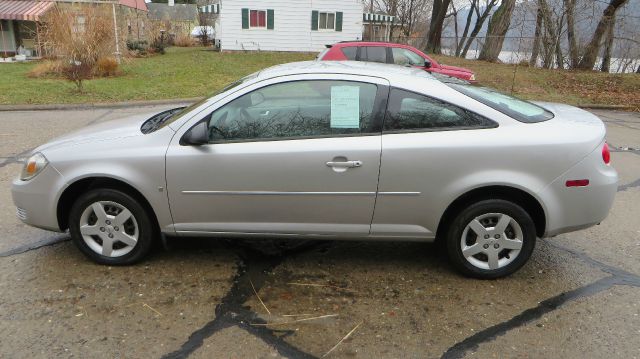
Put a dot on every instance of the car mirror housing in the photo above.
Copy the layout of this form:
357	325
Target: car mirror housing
196	136
427	64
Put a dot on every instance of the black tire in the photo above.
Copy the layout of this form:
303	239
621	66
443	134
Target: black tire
145	226
483	208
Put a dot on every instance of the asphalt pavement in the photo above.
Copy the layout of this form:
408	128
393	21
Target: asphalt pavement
578	297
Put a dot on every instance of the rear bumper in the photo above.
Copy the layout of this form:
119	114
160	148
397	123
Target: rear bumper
36	199
574	208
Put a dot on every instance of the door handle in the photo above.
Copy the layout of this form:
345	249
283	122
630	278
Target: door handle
345	164
264	113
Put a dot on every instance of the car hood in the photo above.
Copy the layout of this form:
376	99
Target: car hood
455	68
103	131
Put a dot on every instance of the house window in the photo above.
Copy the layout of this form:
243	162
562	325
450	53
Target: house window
78	24
258	18
326	21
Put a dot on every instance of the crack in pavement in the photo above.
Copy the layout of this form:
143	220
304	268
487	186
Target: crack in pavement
253	267
37	245
618	277
633	184
15	159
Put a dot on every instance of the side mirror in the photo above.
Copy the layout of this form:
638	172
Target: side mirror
198	135
427	64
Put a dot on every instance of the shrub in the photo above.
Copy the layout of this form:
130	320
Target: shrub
45	69
157	46
138	47
77	72
184	40
106	66
78	37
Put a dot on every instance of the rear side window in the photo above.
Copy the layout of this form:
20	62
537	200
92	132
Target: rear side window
520	110
373	54
408	111
350	52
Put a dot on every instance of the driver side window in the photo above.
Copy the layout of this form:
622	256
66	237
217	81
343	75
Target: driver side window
298	109
406	57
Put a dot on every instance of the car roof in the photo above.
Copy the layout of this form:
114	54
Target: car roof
366	43
374	69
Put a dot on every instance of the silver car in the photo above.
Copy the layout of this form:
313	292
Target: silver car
331	150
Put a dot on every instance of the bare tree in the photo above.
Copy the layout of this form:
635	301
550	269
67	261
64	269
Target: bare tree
498	26
480	16
434	36
408	13
592	49
535	52
608	45
570	9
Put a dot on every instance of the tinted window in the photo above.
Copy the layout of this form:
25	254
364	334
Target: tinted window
410	111
520	110
296	109
373	54
350	52
406	57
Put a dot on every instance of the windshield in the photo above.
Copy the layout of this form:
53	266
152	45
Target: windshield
176	115
520	110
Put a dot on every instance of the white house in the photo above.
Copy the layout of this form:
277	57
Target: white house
286	25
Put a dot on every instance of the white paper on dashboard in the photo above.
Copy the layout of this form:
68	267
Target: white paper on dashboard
345	107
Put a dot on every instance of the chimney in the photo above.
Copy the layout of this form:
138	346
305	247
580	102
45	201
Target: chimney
172	2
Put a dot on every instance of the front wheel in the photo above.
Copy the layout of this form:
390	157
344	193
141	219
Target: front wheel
110	227
490	239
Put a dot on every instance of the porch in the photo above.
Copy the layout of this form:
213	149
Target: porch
19	28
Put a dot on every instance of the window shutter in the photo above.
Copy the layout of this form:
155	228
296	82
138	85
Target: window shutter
338	21
314	20
245	18
270	19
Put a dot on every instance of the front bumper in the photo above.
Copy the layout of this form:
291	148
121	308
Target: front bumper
36	200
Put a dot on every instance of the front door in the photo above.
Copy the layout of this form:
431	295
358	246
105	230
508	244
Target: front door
294	157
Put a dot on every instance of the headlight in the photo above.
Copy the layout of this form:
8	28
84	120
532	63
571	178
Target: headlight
33	165
473	77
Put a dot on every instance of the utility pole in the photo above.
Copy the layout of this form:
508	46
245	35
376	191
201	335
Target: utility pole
371	22
115	31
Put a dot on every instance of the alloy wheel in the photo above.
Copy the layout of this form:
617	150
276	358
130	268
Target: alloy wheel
109	228
491	241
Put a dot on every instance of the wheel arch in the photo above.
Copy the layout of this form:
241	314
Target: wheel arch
77	188
522	198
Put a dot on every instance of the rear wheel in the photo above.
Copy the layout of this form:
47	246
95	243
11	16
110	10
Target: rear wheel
491	239
110	227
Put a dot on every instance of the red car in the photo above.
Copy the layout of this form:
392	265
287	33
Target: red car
391	53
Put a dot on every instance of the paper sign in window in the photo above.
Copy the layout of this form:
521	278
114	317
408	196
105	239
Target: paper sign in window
345	107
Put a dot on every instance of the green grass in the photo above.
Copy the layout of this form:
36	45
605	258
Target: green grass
572	87
180	73
195	72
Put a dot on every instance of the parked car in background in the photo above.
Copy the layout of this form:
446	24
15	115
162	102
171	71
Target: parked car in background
329	150
391	53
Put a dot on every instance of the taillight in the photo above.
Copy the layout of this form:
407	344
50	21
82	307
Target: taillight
606	155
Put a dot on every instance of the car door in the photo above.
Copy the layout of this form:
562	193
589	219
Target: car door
426	145
295	155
